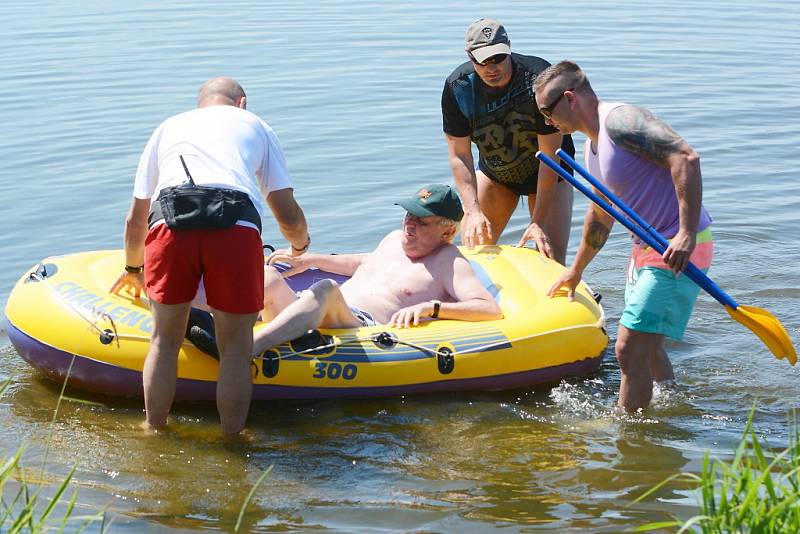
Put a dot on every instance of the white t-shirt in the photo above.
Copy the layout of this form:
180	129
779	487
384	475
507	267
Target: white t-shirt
222	146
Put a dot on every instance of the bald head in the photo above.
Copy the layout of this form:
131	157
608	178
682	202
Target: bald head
221	91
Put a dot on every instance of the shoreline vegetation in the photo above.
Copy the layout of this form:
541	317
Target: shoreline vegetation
29	510
758	490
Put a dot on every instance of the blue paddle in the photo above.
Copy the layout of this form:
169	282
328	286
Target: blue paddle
765	325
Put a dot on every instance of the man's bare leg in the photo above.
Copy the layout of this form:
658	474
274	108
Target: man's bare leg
661	366
277	294
320	305
161	366
559	220
635	352
497	203
234	382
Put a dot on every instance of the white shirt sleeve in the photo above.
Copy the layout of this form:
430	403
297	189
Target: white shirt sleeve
147	173
274	173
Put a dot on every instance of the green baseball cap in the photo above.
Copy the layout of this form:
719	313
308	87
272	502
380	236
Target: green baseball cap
434	199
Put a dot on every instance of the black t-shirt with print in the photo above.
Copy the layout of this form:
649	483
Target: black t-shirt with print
502	123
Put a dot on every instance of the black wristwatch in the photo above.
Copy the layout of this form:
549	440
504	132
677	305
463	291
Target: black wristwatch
134	270
436	305
304	248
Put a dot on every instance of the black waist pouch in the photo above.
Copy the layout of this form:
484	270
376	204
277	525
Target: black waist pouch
196	207
187	207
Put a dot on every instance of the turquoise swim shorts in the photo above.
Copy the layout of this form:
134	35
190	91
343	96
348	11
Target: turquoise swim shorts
657	302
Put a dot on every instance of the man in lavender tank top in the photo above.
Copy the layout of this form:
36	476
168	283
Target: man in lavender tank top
657	173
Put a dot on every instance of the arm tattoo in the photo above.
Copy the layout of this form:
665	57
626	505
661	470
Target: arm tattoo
639	131
596	235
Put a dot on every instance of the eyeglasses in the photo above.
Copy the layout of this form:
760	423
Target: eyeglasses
547	111
494	60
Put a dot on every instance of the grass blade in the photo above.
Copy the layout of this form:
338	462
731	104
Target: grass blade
249	497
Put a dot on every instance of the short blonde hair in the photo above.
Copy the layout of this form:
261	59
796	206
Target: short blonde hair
564	75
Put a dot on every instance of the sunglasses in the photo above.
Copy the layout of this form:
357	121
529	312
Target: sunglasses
494	60
547	111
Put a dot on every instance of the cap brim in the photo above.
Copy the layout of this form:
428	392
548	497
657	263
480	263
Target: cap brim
482	54
412	207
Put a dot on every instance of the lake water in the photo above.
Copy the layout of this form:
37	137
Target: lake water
353	90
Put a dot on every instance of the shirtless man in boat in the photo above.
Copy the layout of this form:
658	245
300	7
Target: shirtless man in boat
414	273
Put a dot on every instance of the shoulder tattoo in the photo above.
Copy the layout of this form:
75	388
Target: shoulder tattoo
639	131
597	235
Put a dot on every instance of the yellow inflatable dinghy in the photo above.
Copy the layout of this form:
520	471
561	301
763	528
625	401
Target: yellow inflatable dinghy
62	319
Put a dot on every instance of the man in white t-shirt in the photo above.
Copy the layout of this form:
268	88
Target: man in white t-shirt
220	146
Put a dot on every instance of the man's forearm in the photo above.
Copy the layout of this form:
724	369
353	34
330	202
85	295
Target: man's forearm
689	190
134	236
135	232
466	183
596	229
345	264
546	178
459	153
296	233
470	310
290	218
545	195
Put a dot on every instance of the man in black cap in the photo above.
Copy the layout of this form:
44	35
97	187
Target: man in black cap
414	273
489	101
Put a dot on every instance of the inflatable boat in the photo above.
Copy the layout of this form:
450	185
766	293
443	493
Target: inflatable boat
64	322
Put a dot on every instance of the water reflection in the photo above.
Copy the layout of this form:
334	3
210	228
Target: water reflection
559	456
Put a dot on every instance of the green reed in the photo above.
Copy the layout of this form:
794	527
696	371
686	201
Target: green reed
246	502
29	510
757	491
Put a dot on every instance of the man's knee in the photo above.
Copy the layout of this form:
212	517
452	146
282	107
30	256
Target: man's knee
272	276
323	289
627	355
635	349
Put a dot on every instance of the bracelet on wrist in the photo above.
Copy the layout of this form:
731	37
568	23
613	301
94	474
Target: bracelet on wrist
436	305
304	248
134	270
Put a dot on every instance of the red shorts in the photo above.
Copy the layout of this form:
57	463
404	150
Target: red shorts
230	261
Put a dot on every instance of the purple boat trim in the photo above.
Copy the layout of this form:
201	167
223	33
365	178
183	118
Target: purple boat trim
106	379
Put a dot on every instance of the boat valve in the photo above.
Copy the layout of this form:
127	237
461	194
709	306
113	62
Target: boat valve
445	360
384	340
270	363
107	336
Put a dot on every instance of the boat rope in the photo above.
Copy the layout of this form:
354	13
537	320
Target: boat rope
106	335
388	339
381	339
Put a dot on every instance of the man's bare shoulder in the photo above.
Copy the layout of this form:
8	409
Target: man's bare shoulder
447	251
389	240
639	131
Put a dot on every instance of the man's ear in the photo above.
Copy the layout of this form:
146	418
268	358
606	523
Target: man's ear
449	234
242	104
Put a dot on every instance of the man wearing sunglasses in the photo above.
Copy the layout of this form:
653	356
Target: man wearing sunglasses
651	168
488	101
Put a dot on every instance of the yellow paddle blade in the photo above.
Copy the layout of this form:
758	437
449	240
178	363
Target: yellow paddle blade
768	328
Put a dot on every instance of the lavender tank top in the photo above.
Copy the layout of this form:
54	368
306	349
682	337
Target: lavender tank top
644	186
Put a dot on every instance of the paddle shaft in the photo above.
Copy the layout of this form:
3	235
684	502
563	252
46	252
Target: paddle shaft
641	229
